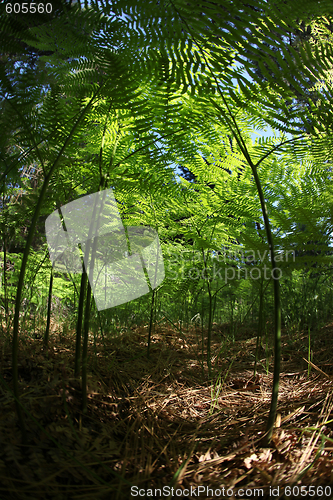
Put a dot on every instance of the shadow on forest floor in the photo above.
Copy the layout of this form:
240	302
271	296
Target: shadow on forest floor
157	422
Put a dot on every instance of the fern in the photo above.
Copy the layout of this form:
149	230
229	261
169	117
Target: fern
123	91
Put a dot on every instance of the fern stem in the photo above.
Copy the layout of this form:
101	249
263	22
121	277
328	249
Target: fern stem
79	324
209	333
85	349
48	320
151	322
260	326
277	313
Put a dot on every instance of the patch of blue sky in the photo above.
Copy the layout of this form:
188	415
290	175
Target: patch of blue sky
268	131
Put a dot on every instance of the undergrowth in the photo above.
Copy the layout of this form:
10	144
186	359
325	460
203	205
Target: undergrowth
159	422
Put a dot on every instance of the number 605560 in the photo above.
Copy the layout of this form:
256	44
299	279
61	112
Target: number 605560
32	8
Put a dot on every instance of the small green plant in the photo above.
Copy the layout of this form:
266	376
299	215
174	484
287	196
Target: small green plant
267	351
216	389
309	352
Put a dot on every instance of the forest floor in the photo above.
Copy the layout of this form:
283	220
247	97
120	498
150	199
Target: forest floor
157	423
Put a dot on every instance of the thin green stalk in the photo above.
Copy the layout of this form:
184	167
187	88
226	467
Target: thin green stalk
49	303
253	302
85	349
5	284
209	332
218	387
232	124
89	258
32	279
309	352
267	350
260	327
277	313
202	338
79	323
4	238
150	322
